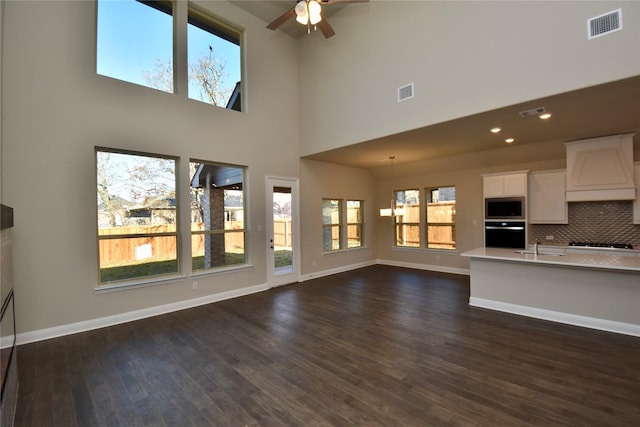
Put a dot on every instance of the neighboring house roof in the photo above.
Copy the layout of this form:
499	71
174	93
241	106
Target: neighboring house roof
219	176
235	99
155	204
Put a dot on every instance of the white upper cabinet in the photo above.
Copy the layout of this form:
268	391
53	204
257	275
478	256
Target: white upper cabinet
508	184
600	169
547	202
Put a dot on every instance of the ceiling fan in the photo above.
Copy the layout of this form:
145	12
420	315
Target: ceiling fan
309	13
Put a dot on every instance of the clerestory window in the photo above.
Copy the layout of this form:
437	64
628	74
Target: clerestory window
136	42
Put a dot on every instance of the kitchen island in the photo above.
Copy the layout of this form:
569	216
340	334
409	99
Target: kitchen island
595	289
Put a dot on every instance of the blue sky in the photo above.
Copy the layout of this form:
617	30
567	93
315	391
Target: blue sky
132	37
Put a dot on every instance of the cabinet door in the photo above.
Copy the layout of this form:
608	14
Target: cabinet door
505	185
493	186
515	185
547	202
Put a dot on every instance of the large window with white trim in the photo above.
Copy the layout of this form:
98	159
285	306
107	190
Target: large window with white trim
342	224
137	222
331	225
355	224
218	222
407	223
441	218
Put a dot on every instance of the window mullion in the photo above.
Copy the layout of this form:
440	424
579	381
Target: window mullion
180	57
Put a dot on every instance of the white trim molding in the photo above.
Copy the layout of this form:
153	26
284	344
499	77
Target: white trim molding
557	316
102	322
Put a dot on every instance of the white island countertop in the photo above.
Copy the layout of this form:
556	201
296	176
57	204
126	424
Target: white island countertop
601	260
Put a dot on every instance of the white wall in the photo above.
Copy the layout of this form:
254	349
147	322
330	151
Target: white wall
329	181
57	109
465	57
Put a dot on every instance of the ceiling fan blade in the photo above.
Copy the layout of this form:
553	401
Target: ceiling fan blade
282	19
326	29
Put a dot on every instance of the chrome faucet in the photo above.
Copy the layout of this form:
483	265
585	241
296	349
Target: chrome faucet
535	246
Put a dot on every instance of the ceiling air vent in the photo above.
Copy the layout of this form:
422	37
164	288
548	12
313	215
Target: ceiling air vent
405	92
609	22
532	112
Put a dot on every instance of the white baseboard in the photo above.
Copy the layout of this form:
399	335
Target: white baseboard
557	316
428	267
72	328
102	322
337	270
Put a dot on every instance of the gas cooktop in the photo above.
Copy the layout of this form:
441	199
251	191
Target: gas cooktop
602	245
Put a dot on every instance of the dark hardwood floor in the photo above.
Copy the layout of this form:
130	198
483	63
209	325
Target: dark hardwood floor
379	346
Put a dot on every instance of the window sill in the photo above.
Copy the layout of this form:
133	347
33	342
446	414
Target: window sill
342	251
221	270
164	280
123	286
431	250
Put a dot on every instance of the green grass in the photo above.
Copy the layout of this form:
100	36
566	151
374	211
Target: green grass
133	271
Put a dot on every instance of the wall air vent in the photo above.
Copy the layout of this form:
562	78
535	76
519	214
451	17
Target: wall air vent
532	112
405	92
609	22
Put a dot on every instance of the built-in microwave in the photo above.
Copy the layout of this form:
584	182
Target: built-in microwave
504	208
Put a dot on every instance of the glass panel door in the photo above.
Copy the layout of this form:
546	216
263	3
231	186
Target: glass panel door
283	264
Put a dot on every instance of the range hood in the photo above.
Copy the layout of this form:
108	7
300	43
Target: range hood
600	169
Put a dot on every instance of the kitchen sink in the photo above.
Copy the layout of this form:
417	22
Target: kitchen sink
523	252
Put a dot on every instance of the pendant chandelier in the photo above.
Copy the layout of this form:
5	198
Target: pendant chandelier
393	210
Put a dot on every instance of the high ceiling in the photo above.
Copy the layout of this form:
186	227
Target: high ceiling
590	112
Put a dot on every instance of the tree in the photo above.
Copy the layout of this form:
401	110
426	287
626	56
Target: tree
103	188
162	76
128	180
207	79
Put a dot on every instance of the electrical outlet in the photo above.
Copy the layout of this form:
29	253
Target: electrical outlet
549	237
194	285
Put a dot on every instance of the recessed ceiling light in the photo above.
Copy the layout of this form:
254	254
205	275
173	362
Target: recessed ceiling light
545	116
495	130
509	140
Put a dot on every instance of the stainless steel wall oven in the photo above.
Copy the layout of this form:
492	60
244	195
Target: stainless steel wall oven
505	234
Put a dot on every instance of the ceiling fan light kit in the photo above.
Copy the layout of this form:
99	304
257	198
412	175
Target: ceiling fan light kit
309	12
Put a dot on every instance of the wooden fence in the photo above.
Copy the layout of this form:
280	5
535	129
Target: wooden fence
441	229
282	232
132	250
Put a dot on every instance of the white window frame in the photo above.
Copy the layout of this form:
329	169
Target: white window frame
398	221
106	237
428	192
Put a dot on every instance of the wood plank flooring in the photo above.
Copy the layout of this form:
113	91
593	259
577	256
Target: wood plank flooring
378	346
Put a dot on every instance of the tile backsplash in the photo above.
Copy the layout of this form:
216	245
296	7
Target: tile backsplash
601	222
